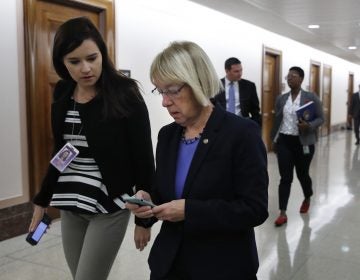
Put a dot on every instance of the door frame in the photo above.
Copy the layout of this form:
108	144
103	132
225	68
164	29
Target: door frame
349	91
327	111
317	64
278	73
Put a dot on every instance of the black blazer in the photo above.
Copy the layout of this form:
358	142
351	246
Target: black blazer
226	197
355	105
249	101
122	148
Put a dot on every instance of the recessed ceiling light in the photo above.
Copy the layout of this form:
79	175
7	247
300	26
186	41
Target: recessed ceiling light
313	26
352	47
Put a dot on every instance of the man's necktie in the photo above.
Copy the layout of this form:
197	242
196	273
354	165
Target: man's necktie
231	101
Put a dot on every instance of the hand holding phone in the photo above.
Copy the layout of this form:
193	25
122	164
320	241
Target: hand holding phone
138	201
34	237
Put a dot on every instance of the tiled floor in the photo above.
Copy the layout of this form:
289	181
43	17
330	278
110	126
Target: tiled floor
324	244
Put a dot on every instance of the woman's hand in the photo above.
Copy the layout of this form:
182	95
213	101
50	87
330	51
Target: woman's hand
303	126
173	211
141	237
142	212
36	218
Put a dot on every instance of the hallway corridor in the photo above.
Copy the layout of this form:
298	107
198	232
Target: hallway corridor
321	245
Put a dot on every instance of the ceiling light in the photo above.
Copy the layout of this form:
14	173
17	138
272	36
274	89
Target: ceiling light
352	47
313	26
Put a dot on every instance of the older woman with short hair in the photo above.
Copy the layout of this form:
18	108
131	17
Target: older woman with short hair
211	177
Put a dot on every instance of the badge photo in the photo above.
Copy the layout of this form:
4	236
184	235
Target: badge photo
63	157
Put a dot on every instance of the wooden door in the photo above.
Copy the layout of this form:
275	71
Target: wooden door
350	92
315	78
42	18
270	89
326	99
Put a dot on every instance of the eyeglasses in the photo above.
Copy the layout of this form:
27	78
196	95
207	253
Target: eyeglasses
290	76
170	92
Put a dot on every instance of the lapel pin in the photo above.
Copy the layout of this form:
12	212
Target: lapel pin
205	141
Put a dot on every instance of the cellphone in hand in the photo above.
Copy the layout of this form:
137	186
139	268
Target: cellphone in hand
138	201
34	237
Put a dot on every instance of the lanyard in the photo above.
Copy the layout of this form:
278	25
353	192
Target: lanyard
73	124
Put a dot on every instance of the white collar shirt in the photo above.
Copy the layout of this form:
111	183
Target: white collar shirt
290	120
237	96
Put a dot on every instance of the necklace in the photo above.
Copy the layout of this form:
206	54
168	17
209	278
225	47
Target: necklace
190	140
84	97
73	124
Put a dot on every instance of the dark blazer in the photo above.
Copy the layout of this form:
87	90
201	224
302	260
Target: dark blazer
249	101
355	105
226	197
309	137
122	148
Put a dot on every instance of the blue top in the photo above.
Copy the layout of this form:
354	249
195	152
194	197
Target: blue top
186	153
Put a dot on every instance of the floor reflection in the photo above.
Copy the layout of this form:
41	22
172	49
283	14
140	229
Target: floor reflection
353	172
321	245
325	243
289	262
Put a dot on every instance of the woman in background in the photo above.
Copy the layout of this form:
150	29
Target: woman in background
294	140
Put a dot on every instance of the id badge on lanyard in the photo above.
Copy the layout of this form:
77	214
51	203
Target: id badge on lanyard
306	150
64	157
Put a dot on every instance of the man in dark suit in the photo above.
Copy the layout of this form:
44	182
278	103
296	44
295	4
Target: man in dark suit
246	100
355	114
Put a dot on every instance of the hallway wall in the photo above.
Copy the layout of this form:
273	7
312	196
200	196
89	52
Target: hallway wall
13	143
144	28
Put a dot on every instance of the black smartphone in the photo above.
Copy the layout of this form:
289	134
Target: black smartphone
34	237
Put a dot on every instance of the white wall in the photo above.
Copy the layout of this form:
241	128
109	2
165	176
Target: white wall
13	167
144	28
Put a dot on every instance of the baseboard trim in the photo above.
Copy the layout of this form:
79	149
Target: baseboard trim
337	127
15	220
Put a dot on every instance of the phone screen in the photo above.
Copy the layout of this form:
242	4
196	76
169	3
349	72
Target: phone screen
41	228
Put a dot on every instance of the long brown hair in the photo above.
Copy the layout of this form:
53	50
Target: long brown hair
116	89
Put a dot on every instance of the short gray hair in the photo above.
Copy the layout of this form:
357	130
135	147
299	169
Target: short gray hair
186	62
